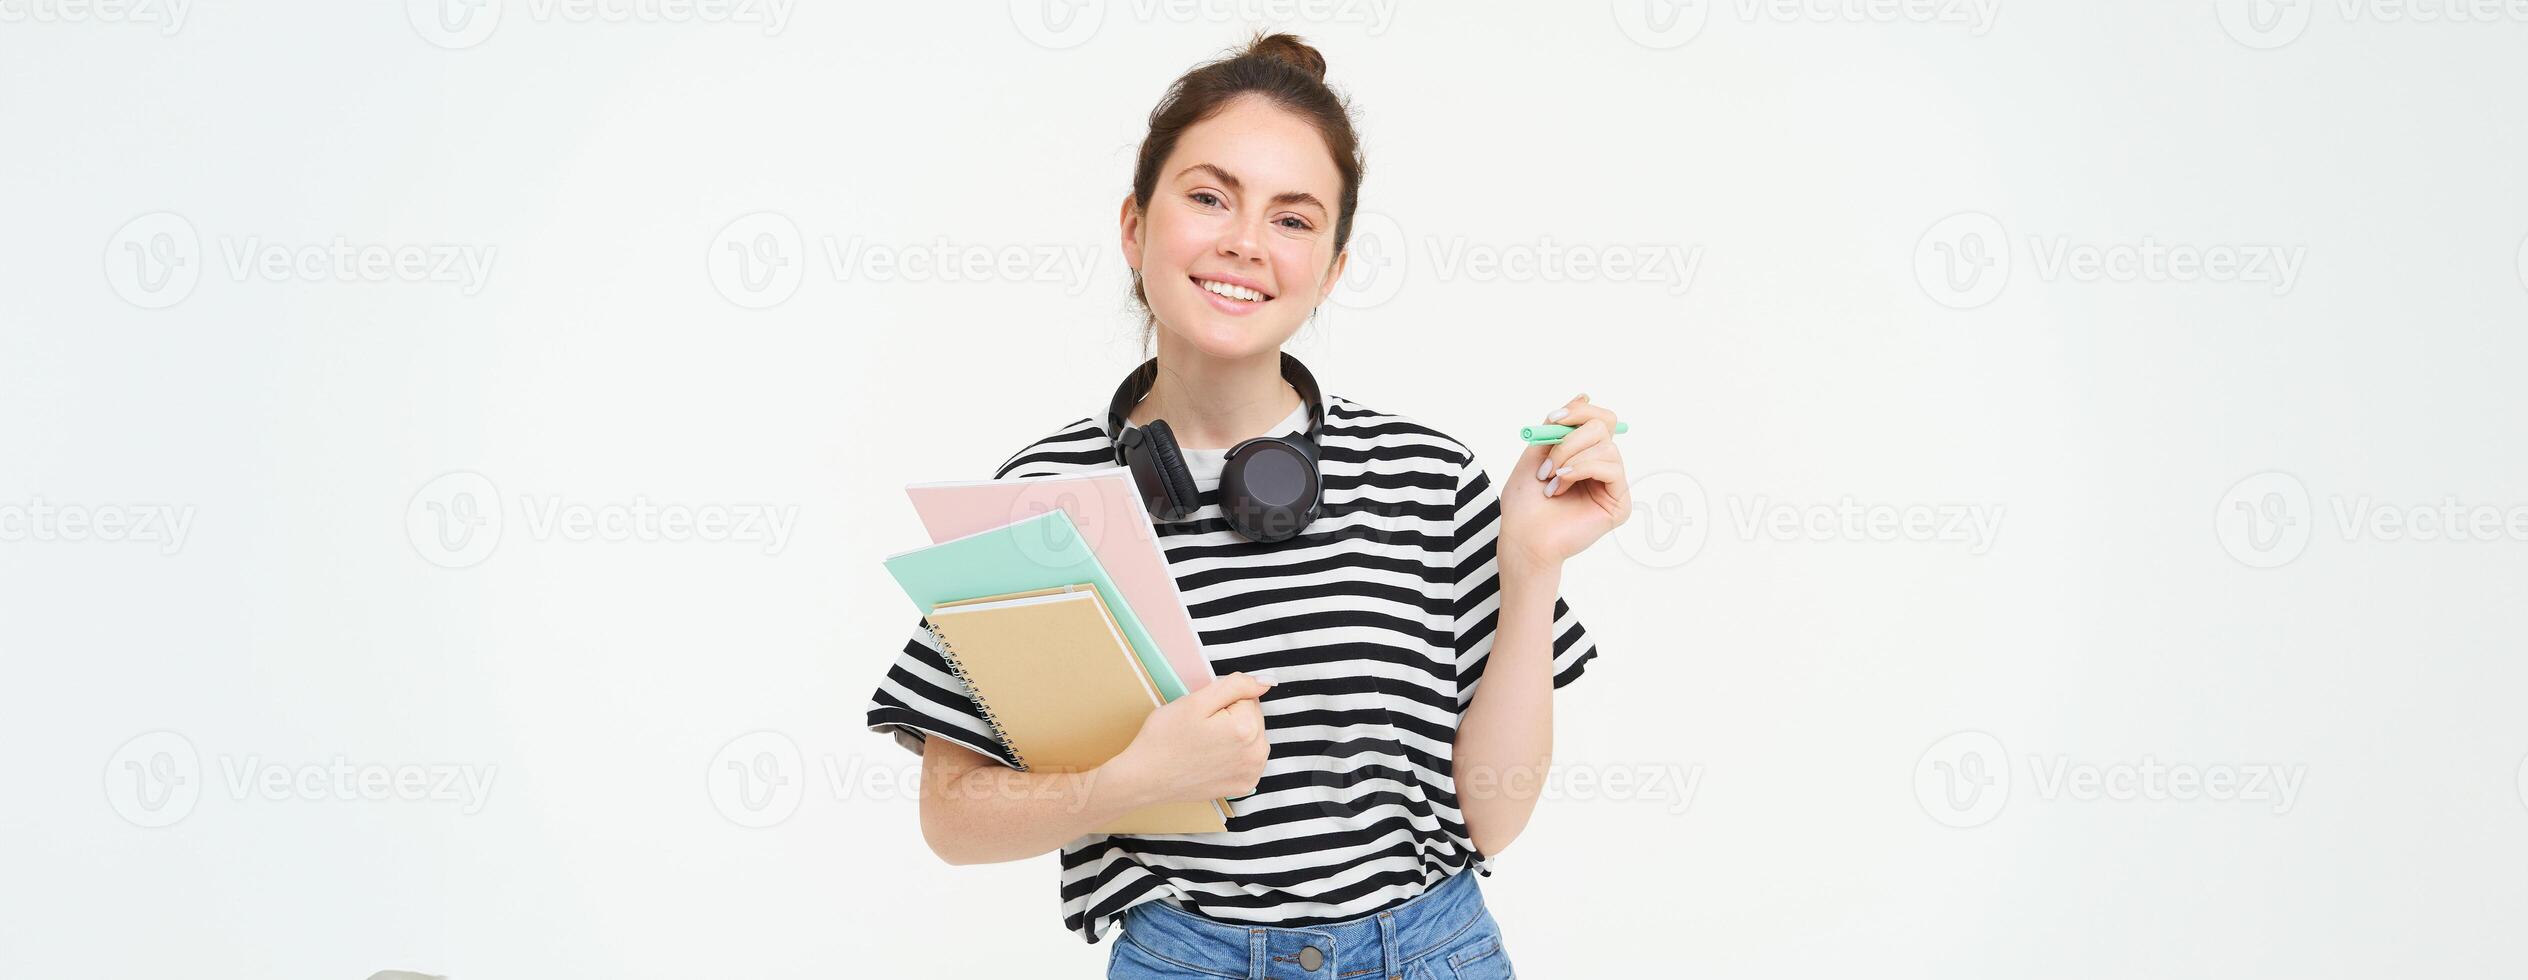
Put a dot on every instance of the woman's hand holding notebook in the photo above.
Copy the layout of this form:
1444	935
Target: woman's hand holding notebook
1062	690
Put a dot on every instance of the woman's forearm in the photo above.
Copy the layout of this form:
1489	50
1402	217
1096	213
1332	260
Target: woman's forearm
975	811
1505	737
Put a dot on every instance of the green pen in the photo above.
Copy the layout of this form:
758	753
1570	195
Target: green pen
1546	435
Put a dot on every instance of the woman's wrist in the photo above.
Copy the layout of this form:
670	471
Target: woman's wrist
1521	565
1120	786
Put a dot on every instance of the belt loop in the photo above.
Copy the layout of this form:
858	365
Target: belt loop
1388	945
1256	961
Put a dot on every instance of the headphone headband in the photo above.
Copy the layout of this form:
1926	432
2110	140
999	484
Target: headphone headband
1137	386
1269	485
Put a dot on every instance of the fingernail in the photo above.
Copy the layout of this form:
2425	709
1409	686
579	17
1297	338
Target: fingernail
1565	471
1545	469
1559	415
1553	487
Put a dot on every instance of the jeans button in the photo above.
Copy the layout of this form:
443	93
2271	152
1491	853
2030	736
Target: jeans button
1310	959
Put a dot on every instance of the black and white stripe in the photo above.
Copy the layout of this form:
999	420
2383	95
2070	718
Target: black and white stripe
1373	625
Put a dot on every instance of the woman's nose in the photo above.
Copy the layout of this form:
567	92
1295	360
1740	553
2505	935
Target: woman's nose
1241	243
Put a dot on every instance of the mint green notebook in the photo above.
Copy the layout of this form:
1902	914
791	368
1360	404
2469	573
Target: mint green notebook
1041	552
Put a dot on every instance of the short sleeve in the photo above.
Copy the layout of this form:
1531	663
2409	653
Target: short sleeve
1477	606
921	697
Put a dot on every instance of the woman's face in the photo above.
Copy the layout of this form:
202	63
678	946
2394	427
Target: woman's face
1236	247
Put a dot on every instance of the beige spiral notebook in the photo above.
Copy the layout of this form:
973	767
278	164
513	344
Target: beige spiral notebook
1062	689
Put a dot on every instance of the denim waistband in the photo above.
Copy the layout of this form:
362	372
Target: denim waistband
1379	944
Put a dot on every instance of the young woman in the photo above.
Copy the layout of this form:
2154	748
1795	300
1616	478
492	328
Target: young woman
1386	623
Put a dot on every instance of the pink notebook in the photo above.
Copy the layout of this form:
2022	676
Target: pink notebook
1110	516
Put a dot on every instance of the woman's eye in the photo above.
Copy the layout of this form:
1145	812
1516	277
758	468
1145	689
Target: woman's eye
1294	222
1205	198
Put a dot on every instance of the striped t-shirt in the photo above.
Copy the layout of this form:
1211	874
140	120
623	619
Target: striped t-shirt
1373	626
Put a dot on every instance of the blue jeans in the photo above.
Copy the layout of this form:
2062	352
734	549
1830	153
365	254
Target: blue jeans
1441	934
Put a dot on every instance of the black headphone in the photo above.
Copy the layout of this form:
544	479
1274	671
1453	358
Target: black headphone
1268	485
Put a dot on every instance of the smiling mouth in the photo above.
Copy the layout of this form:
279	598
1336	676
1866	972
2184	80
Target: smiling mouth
1229	290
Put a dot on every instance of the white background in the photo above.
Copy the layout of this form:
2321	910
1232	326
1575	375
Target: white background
2149	599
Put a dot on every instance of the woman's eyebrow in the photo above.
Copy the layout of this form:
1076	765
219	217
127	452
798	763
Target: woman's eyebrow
1230	181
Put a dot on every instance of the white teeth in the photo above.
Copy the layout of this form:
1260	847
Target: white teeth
1232	291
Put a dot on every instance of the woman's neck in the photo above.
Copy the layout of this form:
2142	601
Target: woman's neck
1215	403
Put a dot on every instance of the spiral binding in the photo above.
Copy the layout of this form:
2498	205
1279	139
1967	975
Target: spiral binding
958	667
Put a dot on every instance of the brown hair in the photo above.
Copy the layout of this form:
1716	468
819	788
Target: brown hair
1278	67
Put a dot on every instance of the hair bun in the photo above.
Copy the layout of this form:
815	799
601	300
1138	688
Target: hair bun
1289	50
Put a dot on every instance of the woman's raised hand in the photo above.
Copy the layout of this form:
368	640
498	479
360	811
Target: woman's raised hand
1562	498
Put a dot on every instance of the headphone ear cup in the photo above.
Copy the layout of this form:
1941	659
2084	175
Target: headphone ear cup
1176	498
1269	489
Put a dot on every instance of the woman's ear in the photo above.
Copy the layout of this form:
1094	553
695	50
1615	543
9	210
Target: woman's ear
1131	221
1333	275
